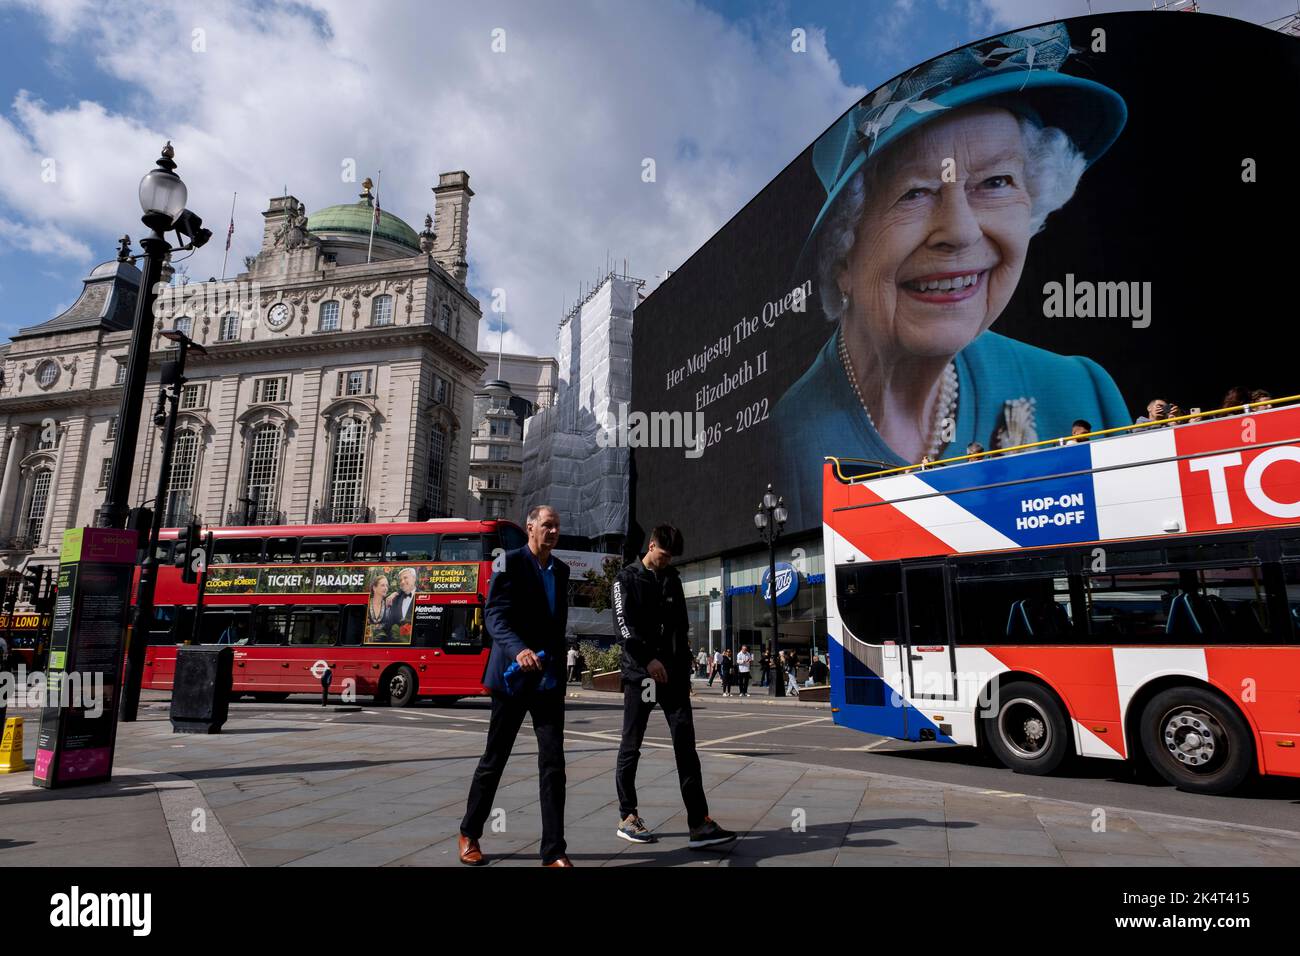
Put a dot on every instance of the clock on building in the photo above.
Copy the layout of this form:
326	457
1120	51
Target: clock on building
278	317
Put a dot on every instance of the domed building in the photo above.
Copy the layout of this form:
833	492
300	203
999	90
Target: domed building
337	384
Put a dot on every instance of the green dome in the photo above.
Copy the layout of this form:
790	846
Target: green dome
356	218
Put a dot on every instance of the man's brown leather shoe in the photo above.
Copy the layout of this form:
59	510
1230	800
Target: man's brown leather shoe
470	854
562	861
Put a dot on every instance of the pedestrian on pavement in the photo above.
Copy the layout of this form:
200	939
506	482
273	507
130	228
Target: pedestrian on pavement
717	666
727	670
650	615
571	660
527	610
818	671
743	661
791	674
767	669
702	663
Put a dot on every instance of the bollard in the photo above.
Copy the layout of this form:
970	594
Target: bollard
11	747
201	689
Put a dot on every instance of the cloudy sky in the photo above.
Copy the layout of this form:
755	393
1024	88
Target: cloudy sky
554	129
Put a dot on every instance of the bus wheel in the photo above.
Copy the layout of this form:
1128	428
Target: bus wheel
400	687
1029	732
1196	740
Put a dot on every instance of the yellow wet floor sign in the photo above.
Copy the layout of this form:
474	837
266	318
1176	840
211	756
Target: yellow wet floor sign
11	747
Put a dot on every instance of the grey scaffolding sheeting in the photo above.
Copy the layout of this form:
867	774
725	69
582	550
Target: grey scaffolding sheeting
568	461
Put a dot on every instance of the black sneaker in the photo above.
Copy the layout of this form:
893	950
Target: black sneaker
634	831
707	834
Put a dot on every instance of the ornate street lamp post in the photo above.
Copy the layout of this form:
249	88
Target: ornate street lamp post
162	199
770	519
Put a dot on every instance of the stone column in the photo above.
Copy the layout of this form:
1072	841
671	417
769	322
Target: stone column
9	486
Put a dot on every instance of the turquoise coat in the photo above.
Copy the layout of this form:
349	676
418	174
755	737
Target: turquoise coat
820	415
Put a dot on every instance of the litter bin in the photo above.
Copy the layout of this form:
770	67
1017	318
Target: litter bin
201	689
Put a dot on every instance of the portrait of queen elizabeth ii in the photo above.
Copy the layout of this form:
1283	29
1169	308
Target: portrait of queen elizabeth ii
935	185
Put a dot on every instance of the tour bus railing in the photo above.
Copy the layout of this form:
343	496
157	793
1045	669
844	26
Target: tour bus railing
1050	442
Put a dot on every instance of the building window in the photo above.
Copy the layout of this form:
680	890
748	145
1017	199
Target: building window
49	438
185	325
495	482
47	374
348	470
381	310
112	429
502	427
271	389
498	452
105	468
356	382
329	316
37	504
180	491
228	331
263	466
444	317
496	508
119	374
434	476
441	390
194	396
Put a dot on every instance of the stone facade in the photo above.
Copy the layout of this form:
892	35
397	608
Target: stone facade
338	383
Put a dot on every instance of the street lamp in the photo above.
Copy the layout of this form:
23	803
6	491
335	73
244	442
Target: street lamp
162	199
770	519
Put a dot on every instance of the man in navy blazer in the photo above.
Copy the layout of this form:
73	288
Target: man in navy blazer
527	612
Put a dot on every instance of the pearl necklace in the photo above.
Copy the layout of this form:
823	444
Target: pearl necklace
945	409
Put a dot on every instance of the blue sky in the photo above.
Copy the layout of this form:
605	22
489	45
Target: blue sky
553	130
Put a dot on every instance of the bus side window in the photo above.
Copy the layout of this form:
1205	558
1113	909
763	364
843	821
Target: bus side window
272	626
236	550
162	630
868	597
323	551
462	547
412	547
367	548
281	550
354	626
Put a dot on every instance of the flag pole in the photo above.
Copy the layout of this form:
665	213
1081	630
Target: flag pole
374	219
229	232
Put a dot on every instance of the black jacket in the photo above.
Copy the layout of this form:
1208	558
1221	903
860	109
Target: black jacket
650	614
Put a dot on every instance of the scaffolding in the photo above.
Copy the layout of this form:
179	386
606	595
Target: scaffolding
569	460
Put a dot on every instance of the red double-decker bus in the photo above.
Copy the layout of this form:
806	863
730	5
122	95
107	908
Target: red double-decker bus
395	610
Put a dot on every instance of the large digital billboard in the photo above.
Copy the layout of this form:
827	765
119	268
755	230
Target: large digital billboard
1059	224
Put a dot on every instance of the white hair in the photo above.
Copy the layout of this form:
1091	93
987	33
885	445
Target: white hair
1053	168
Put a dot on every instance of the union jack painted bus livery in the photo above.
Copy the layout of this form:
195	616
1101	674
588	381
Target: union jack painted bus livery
1123	596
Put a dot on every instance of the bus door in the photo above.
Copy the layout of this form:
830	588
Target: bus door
931	661
457	636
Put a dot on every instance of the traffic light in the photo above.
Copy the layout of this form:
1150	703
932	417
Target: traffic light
32	577
189	555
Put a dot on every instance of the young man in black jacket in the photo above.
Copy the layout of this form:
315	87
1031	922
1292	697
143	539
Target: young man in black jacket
650	613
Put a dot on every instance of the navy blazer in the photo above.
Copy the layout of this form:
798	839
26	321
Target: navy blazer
518	616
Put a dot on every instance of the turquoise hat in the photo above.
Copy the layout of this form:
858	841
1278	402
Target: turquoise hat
1019	71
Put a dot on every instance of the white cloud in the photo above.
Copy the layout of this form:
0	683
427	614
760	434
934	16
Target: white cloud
1004	14
43	240
553	131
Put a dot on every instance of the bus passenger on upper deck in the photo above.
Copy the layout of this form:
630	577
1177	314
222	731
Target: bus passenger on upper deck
935	186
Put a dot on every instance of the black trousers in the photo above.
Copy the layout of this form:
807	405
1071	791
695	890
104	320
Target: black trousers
744	682
547	709
675	700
